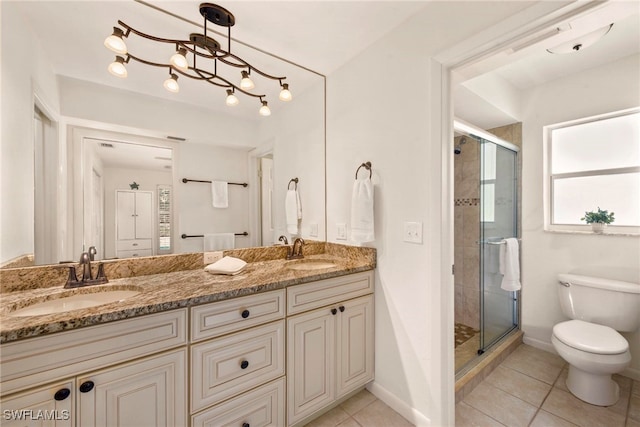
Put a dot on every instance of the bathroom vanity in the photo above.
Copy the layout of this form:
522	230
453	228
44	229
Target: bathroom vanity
197	349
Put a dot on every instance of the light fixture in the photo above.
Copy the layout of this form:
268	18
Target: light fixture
171	84
115	43
264	110
232	100
285	94
582	42
117	67
205	55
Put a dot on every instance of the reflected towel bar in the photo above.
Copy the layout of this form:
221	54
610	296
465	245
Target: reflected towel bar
187	236
367	166
185	180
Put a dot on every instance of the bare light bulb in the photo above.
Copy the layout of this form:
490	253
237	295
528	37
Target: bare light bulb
246	83
264	110
179	60
232	100
115	42
285	94
117	67
171	84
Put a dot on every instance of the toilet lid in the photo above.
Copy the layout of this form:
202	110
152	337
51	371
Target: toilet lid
590	337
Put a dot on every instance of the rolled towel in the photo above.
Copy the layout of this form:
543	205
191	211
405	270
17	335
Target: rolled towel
293	211
362	226
510	265
220	194
219	241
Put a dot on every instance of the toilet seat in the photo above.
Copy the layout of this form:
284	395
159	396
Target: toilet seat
589	337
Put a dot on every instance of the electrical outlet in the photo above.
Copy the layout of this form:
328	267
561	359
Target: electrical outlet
341	234
413	232
313	229
211	257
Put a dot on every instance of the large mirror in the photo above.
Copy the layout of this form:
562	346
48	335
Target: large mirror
82	149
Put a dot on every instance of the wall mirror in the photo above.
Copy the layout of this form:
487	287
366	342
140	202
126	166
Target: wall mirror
117	139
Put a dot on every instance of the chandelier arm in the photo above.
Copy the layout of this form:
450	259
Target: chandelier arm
246	64
161	65
150	37
228	84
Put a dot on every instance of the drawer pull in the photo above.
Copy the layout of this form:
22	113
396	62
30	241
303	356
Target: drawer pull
245	314
62	394
334	311
341	308
134	244
244	364
245	425
86	386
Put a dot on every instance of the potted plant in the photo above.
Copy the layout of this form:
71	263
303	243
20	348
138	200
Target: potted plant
598	219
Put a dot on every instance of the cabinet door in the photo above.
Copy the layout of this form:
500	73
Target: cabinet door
150	392
125	215
144	216
355	344
310	362
50	406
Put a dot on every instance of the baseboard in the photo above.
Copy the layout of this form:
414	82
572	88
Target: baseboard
542	345
410	414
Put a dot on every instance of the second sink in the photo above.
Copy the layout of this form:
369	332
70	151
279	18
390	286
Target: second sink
74	302
310	264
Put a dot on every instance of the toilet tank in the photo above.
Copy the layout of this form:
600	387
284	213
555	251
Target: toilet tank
603	301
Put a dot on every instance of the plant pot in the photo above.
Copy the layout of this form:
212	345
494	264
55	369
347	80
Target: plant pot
598	227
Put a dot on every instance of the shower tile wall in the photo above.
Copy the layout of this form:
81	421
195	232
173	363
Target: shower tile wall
467	222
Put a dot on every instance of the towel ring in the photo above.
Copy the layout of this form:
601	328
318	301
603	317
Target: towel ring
367	166
295	181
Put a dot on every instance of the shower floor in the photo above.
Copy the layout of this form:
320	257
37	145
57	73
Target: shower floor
463	333
467	343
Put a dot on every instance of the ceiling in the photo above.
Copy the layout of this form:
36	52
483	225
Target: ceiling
315	38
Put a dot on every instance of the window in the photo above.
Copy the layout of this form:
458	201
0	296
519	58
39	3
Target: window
595	163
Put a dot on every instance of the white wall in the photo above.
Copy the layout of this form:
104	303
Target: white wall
25	71
601	90
375	114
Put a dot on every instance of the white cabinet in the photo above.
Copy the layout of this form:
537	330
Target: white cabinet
329	349
134	223
50	406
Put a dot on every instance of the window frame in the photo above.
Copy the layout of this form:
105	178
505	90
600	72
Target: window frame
551	178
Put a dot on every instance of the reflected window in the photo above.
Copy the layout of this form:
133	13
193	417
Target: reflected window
164	219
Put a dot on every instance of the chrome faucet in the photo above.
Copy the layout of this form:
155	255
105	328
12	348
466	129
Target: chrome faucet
87	275
92	253
283	239
85	263
296	249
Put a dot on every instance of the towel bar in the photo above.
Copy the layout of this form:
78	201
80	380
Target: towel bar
185	180
187	236
367	166
295	181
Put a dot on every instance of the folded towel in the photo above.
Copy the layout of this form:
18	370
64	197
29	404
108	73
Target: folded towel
226	265
219	241
510	265
220	194
362	211
293	211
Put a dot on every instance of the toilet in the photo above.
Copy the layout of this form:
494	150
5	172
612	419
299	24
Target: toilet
590	342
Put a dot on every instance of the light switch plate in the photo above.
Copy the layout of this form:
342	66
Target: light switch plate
413	232
341	233
211	257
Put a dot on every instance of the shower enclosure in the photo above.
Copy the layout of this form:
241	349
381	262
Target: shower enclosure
486	213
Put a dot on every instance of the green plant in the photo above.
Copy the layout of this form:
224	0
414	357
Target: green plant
603	217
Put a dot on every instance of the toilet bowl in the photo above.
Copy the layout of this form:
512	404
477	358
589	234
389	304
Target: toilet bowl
594	352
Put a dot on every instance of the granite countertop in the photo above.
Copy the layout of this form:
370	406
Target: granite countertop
166	291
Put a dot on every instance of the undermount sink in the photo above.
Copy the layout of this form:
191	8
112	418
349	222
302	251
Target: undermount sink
74	302
310	264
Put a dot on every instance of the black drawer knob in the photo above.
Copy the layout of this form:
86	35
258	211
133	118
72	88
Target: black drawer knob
245	314
244	364
62	394
86	386
334	311
245	425
341	308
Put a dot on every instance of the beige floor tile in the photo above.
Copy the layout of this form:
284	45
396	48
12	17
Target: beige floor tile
634	407
468	416
349	422
545	419
378	414
565	405
536	363
561	382
330	419
357	402
632	423
520	385
636	388
500	405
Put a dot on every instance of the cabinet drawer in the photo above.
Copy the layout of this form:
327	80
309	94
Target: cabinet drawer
260	407
133	254
133	245
233	364
219	318
66	354
330	291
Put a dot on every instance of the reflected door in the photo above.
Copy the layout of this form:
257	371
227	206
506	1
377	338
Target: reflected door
498	220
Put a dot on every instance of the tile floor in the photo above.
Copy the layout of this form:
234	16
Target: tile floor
527	389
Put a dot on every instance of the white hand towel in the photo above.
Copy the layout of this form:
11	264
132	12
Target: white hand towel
219	241
510	265
293	211
220	194
227	265
362	211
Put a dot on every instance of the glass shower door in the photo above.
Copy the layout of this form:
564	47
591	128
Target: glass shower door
498	220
